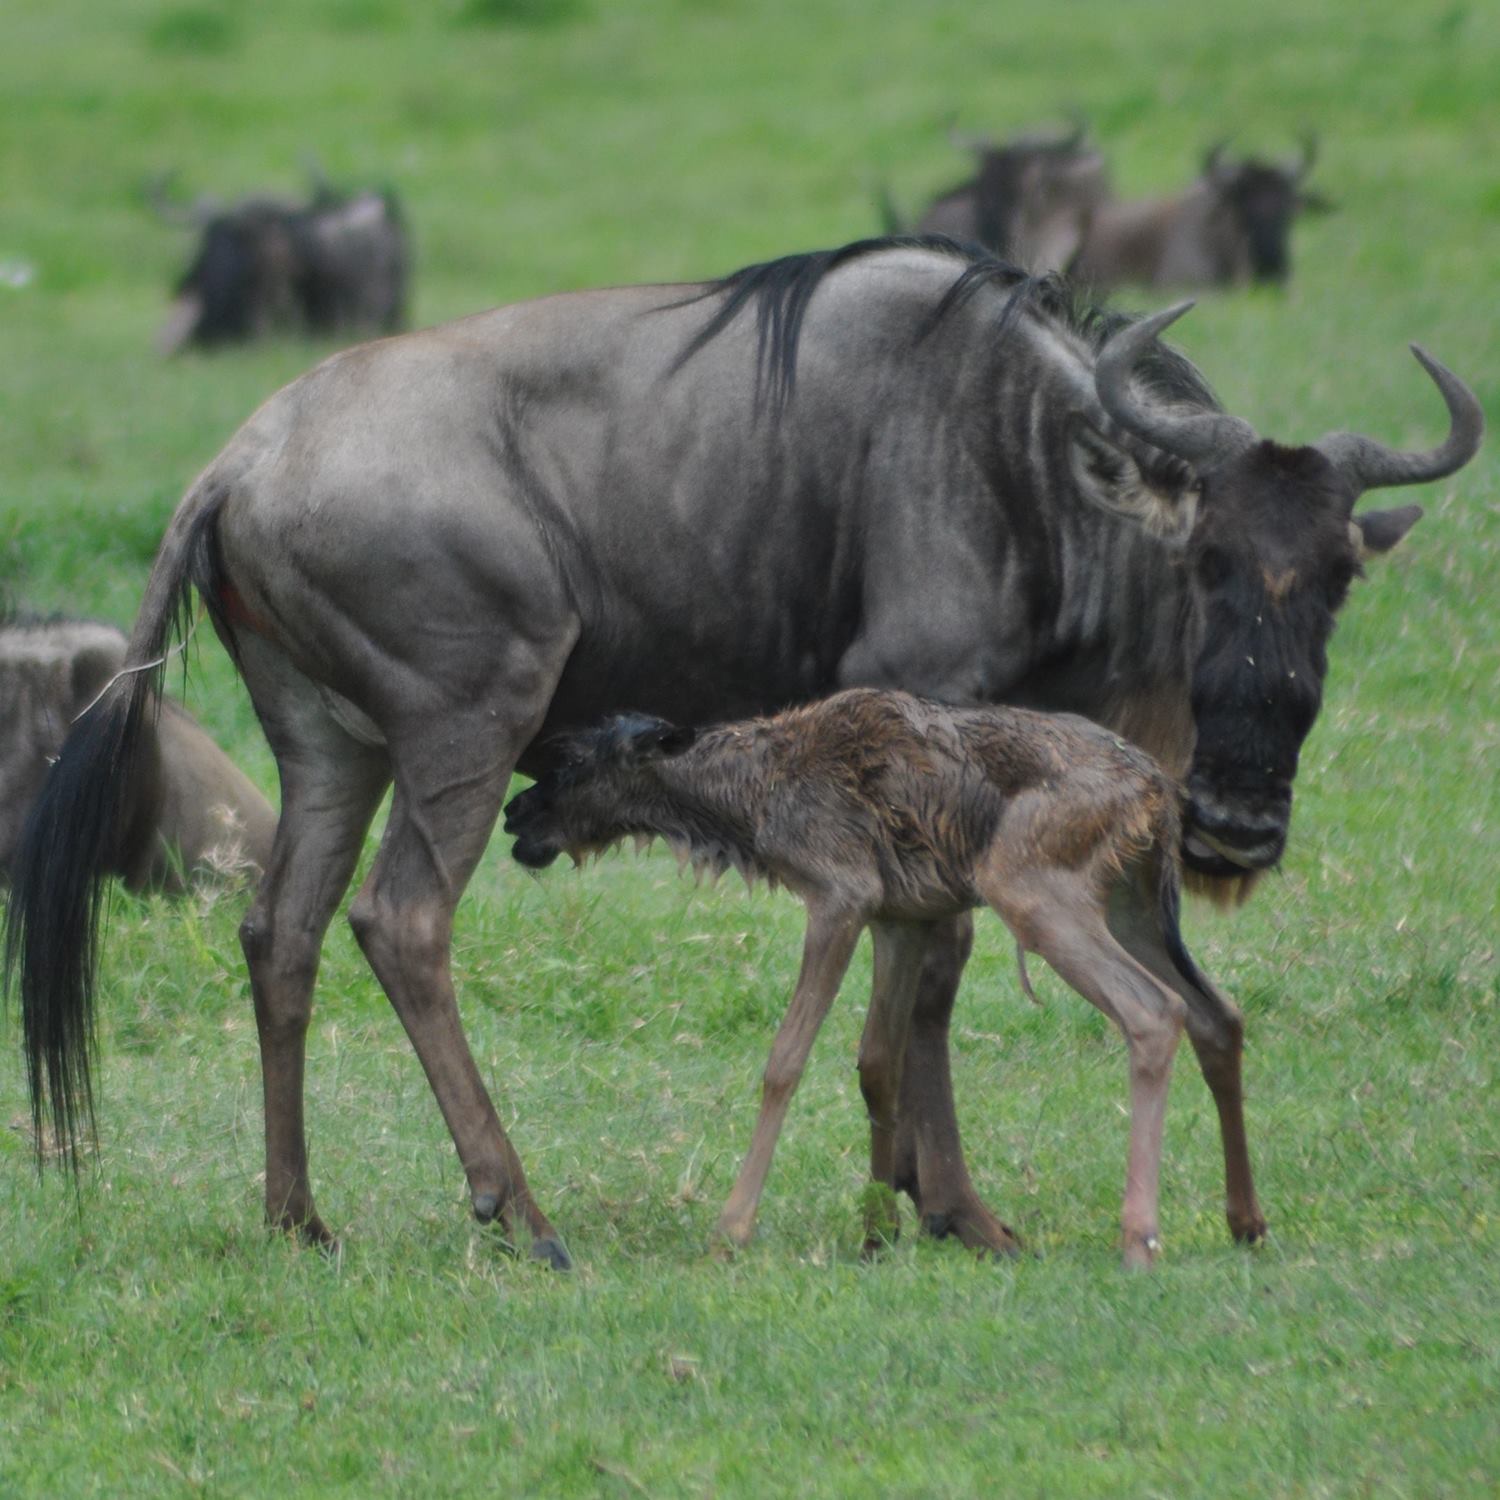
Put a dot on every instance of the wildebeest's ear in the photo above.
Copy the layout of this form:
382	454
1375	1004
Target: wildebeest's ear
1110	478
1378	531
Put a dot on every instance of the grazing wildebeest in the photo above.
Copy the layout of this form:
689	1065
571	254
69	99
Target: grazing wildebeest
336	265
188	808
893	464
1029	201
1232	225
877	809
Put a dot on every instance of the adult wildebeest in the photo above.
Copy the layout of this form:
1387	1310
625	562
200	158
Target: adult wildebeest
336	265
881	810
1232	225
889	464
186	808
1029	201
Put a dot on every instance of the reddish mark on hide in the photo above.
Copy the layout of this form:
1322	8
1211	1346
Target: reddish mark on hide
237	612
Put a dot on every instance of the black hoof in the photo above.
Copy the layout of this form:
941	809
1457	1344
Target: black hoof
486	1206
553	1253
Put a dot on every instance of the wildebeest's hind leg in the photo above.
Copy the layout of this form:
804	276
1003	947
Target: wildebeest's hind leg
826	951
451	773
1058	915
1214	1025
927	1154
330	787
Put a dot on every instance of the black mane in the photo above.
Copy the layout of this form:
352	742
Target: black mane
781	289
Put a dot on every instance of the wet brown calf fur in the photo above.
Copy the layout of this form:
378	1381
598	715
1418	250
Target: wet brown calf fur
882	810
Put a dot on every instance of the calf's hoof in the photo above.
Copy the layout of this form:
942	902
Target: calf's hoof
1141	1251
1248	1231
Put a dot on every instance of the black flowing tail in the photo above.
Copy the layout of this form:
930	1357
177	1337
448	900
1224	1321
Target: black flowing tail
77	834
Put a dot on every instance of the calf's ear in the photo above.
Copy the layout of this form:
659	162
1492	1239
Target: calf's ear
1377	531
1109	477
673	739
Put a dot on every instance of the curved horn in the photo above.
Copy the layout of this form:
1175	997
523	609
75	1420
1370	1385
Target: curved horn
1200	437
1373	466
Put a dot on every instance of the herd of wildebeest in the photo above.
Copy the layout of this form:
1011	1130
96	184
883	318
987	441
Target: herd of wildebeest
906	575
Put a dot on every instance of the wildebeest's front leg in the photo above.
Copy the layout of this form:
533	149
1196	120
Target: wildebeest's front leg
330	788
927	1154
826	951
451	774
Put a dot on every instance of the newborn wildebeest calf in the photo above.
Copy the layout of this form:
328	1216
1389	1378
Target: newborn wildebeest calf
879	808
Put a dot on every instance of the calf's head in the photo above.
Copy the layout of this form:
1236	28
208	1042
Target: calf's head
1270	542
600	790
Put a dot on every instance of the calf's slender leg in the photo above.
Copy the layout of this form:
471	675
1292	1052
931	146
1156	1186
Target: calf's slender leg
826	951
1060	918
927	1154
899	948
1216	1029
330	788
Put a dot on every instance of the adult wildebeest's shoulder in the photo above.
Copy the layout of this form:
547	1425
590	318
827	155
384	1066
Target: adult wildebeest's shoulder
894	464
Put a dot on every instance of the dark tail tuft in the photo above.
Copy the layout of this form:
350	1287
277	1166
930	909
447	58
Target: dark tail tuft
74	837
93	815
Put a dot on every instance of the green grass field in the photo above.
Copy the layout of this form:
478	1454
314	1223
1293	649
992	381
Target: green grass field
155	1340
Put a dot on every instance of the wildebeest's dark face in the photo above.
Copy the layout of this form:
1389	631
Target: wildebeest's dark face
1265	200
1272	543
1271	558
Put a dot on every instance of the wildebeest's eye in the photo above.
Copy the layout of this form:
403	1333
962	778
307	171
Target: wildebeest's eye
1213	566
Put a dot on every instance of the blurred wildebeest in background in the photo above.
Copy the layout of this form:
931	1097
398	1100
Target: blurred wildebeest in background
1029	201
880	810
1232	225
894	463
335	265
190	810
